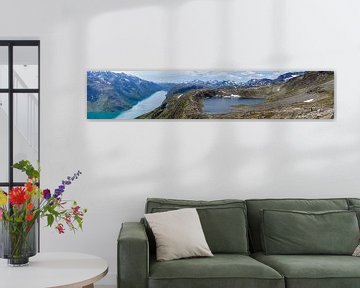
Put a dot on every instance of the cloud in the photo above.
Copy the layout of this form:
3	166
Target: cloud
247	73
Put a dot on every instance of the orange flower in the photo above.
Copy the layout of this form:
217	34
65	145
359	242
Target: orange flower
29	217
27	196
29	206
29	186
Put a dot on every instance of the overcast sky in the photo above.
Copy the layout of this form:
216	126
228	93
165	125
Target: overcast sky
184	76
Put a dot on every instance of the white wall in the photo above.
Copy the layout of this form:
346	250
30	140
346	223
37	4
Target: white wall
126	162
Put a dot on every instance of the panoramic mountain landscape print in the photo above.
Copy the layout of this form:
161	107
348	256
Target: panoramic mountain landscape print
210	95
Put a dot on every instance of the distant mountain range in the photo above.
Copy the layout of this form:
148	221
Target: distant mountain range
198	84
116	92
279	80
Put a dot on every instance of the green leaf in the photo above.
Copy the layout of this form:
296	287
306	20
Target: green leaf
50	219
26	167
53	211
79	221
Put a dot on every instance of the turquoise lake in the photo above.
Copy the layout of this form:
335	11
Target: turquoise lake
144	106
218	105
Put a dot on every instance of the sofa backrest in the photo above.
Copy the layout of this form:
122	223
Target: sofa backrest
256	205
353	202
223	221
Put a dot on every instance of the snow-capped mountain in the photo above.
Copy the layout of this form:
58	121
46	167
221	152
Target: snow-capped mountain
111	92
265	81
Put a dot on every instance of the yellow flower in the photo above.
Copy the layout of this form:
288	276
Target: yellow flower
3	198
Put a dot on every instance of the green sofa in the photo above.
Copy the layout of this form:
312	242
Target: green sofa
233	230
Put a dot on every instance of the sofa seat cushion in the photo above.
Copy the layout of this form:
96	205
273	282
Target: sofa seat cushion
313	271
222	270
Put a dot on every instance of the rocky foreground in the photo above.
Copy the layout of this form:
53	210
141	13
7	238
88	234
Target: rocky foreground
310	96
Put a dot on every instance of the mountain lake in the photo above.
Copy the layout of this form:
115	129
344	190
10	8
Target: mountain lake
218	105
144	106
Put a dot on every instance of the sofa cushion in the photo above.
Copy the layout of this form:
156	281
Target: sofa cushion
356	209
297	232
354	205
222	270
178	234
224	222
254	216
313	271
353	201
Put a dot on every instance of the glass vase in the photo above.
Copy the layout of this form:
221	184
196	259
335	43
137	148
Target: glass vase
18	242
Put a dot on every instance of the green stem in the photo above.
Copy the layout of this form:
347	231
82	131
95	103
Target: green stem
18	237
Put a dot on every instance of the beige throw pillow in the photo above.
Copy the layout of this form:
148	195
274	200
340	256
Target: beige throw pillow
178	234
357	251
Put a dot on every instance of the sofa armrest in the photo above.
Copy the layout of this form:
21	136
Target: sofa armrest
133	256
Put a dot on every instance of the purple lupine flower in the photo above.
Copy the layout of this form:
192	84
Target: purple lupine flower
57	193
64	183
46	194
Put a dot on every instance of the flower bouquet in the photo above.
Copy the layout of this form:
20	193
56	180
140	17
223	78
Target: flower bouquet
21	208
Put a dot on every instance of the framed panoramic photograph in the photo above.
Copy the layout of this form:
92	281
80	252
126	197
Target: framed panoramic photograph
210	95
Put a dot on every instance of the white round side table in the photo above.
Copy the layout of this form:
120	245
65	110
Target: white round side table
50	270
